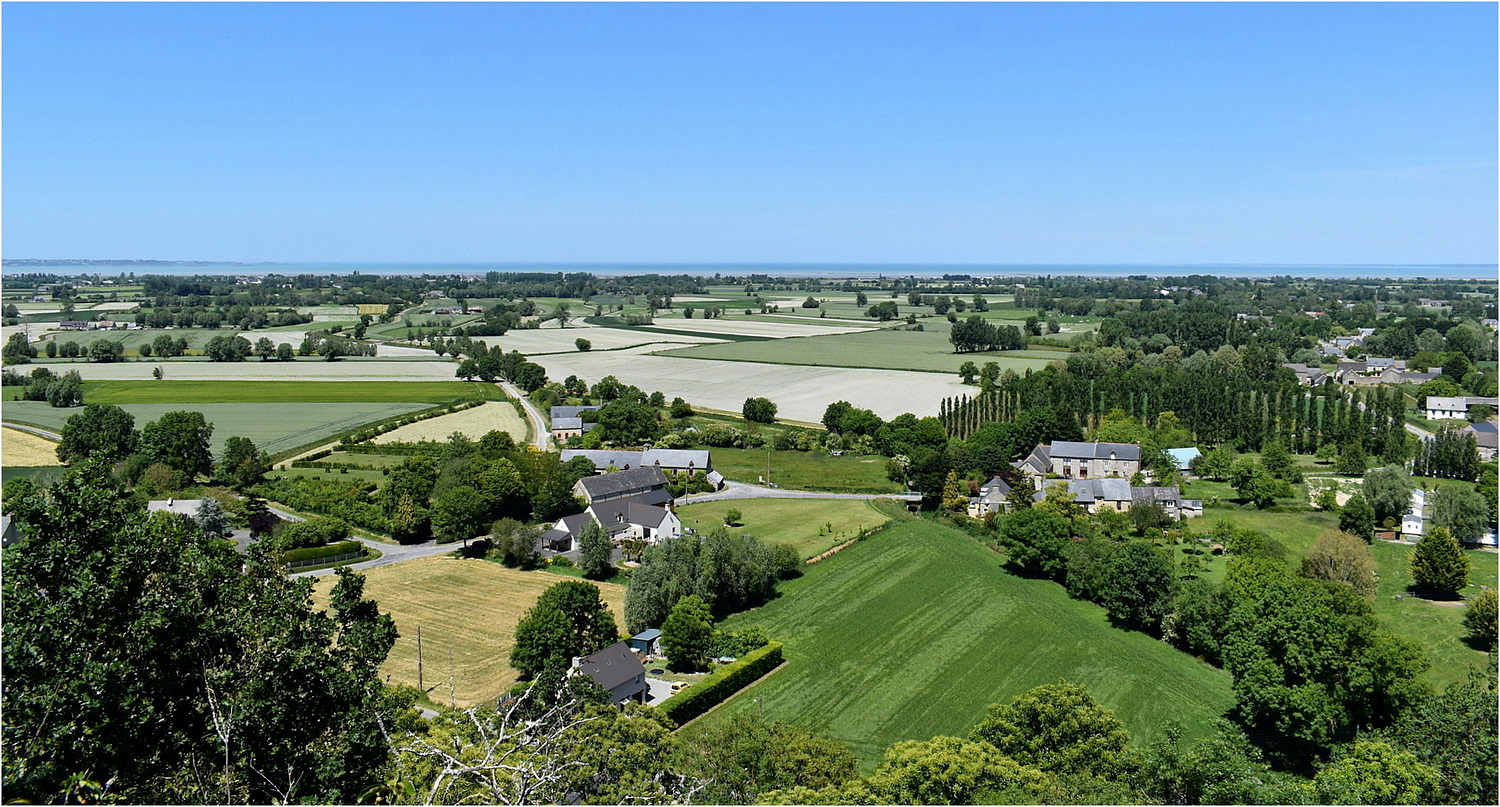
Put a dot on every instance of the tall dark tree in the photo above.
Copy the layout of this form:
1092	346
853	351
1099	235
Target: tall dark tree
104	431
242	465
180	441
595	551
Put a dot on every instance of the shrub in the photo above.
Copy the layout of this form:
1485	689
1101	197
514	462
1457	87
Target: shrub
316	552
722	683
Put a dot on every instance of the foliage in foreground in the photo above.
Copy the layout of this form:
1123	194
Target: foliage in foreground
142	665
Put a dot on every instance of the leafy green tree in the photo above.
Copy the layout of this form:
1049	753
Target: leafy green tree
681	409
18	350
104	431
1376	773
595	551
582	344
1353	460
1342	558
180	441
686	633
514	542
107	351
170	695
458	514
544	640
591	622
1464	513
1276	459
1137	590
949	770
1196	623
1308	664
1388	490
1254	484
1215	463
1358	518
1480	618
1438	564
1037	542
740	758
627	422
242	465
759	410
1455	732
733	517
1058	728
968	371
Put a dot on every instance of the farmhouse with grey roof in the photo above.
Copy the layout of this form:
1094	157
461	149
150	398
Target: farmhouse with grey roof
1070	460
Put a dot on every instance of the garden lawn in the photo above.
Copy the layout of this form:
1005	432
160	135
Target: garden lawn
273	427
806	470
886	348
813	526
914	632
167	391
1437	627
467	610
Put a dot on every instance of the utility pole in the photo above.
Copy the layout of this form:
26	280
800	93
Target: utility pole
419	659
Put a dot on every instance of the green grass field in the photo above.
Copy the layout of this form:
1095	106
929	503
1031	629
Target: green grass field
141	392
810	470
913	632
326	473
885	349
811	525
1438	627
272	426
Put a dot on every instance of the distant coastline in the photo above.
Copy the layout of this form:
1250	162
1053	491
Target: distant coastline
851	270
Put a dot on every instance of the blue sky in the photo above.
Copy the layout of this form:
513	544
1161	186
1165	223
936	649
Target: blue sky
990	133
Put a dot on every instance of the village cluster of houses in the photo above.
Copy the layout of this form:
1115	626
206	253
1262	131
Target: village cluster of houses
98	325
1097	476
1364	373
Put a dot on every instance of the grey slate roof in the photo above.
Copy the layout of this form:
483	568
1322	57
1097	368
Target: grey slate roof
613	484
616	515
1095	451
570	424
571	411
612	667
604	459
696	459
1155	495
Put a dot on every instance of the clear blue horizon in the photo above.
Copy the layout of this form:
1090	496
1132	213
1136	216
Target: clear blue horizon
1343	134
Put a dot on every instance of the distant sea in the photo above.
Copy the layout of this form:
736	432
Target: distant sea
840	270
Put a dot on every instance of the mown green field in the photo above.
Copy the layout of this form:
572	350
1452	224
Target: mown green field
809	470
1437	626
309	391
914	632
132	340
811	525
885	349
272	426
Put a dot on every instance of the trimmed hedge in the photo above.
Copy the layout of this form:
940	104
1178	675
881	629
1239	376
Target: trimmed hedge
723	682
316	552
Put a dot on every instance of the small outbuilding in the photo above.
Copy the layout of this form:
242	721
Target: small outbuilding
647	642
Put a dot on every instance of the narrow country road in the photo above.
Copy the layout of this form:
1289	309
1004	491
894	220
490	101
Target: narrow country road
740	490
389	553
539	425
34	430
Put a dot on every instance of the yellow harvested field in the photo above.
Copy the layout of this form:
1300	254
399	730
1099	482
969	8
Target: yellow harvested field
474	422
466	608
370	308
20	449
